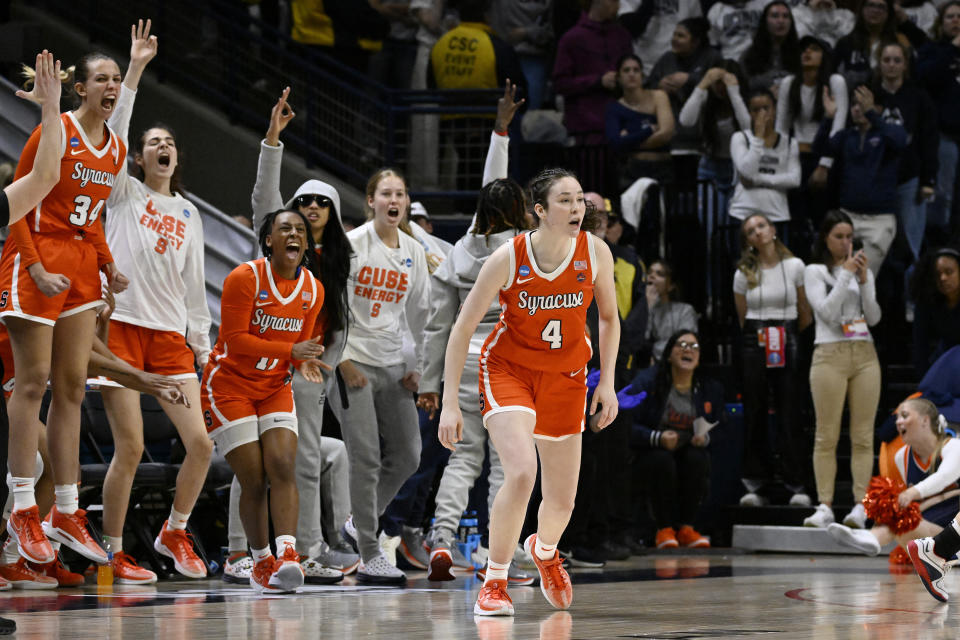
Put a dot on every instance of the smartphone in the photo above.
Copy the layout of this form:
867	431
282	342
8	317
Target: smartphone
857	245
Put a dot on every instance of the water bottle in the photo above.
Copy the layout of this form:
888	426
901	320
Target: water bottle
105	571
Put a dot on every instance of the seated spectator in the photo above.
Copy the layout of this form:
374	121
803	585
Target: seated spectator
906	104
585	71
929	467
857	53
868	155
639	127
767	164
733	25
666	315
936	290
653	26
845	368
678	72
772	309
717	109
823	19
800	112
667	429
774	51
937	65
528	28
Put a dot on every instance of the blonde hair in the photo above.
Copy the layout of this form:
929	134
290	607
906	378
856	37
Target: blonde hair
938	425
749	264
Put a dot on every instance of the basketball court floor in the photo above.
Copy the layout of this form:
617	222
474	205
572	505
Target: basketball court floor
662	596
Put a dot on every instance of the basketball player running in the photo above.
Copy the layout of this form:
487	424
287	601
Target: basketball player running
51	317
269	307
533	377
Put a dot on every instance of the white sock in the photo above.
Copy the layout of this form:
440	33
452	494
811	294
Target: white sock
22	490
116	543
283	541
67	500
544	551
177	520
260	554
496	571
11	552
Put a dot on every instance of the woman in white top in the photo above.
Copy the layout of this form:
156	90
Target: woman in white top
767	164
929	467
161	324
388	294
772	309
845	368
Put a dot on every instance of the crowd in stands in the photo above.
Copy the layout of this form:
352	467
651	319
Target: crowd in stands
829	136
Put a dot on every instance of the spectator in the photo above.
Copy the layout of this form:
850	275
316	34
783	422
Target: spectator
528	28
667	316
935	288
922	13
673	456
928	465
774	52
841	292
767	164
905	104
392	66
772	309
868	152
585	71
733	25
857	53
823	19
678	72
800	112
653	26
717	109
937	68
639	127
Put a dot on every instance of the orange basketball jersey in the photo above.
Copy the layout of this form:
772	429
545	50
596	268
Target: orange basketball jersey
262	317
543	319
76	204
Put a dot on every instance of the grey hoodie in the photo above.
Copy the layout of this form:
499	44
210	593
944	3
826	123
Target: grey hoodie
449	286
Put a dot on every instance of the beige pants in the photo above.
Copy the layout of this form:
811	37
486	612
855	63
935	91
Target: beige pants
844	371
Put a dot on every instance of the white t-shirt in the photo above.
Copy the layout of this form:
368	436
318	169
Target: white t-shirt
771	172
157	242
732	28
655	39
388	291
775	297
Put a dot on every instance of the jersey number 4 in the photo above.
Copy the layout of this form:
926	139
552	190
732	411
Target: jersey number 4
82	216
551	333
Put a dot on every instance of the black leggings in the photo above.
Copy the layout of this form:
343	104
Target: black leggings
676	482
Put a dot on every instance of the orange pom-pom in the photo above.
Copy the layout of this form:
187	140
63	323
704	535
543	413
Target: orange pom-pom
882	506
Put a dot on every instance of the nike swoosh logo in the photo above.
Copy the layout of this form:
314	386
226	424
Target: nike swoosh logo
76	152
524	280
263	304
576	372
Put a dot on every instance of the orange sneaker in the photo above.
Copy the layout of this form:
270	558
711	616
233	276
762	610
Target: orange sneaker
689	537
5	584
176	544
127	571
287	574
59	572
667	538
71	530
22	576
493	600
25	529
260	576
554	580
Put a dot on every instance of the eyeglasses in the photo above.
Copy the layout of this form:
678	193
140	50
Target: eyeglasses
684	345
309	198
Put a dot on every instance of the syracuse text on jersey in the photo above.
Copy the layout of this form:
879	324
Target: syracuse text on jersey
86	175
555	301
170	229
382	285
266	321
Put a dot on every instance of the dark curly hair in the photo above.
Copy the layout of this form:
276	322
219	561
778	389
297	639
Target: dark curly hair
500	207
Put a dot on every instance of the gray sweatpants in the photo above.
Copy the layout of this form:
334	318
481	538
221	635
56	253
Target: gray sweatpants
382	411
464	466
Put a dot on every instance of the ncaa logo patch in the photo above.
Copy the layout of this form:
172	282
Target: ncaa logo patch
524	270
408	262
186	213
74	142
263	295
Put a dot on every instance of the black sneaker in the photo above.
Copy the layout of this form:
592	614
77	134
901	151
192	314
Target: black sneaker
586	557
614	551
7	627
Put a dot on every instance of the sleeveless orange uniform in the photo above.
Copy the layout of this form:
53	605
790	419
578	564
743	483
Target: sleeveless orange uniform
6	358
65	228
262	316
535	358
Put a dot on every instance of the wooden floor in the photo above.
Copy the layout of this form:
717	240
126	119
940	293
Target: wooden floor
676	597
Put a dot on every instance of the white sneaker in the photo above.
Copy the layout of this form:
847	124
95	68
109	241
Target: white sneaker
800	499
314	572
822	517
237	569
523	559
857	518
860	539
380	571
752	499
388	546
